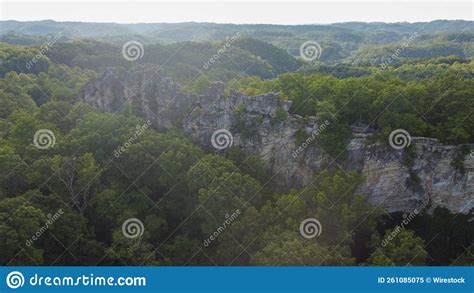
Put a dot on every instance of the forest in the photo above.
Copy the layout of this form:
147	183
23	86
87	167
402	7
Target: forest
67	204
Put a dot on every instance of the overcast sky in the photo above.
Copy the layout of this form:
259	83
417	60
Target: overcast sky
224	11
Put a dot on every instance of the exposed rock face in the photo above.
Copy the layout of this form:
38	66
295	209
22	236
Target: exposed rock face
431	179
261	125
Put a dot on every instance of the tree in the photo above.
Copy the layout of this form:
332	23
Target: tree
21	221
77	178
129	252
13	180
292	249
400	247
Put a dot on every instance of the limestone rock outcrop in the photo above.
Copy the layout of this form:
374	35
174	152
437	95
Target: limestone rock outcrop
262	125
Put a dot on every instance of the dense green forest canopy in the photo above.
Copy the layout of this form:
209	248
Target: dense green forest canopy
181	192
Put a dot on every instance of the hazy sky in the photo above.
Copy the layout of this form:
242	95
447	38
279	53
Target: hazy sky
224	11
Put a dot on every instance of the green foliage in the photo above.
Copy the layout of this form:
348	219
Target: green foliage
289	249
100	173
271	233
200	85
249	164
278	58
409	156
280	115
207	169
245	125
386	103
20	221
400	247
454	236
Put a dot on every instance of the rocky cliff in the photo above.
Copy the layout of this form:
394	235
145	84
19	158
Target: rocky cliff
261	125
